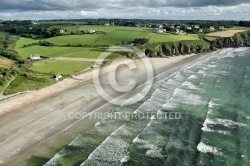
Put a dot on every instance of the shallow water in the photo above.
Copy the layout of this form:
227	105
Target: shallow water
212	95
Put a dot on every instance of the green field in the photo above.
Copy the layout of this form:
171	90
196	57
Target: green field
120	35
76	52
92	53
157	38
63	67
22	83
85	39
47	51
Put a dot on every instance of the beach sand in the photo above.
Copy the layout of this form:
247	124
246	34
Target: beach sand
28	119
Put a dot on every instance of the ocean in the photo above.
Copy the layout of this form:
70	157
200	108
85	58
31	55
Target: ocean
211	97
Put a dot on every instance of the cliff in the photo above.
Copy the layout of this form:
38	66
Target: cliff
241	39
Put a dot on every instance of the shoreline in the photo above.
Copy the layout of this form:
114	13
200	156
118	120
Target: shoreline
46	116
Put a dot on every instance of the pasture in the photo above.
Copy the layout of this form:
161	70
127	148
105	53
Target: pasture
85	39
63	67
47	51
122	35
22	83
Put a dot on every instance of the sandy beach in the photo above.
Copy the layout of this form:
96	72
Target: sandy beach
30	118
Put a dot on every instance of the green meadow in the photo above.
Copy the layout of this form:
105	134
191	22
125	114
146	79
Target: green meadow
85	39
24	83
63	67
47	51
122	35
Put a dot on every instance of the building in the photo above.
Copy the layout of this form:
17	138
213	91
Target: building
160	26
92	31
211	28
177	30
35	57
107	24
189	28
58	76
159	30
197	26
221	28
62	30
34	21
201	30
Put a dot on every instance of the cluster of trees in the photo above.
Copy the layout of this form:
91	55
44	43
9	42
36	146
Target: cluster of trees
4	76
140	41
27	29
244	23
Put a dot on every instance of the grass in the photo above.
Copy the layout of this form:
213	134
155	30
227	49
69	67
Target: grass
21	84
63	67
47	51
74	39
167	37
23	41
92	53
120	35
210	38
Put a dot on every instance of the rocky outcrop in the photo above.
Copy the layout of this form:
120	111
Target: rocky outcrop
188	47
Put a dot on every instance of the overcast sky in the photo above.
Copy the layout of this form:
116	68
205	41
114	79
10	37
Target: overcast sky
145	9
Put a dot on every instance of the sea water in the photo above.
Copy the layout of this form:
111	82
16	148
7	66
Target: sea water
212	94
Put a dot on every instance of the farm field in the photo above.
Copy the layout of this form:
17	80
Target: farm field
47	51
22	83
51	52
120	35
92	53
157	38
63	67
228	33
85	39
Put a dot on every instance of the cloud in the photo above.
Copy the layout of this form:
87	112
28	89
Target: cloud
98	4
155	9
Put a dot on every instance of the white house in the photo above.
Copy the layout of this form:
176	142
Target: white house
177	30
221	28
62	30
58	76
159	30
197	26
34	22
107	24
211	28
92	31
201	30
160	26
35	57
189	28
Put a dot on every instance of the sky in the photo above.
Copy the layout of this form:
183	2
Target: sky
130	9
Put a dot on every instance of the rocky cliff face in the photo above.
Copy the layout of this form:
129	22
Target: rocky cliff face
188	47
